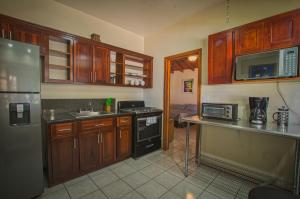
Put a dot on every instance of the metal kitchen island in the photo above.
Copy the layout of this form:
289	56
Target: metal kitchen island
292	131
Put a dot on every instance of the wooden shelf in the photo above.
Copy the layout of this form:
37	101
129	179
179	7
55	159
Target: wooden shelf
58	53
113	62
133	66
60	67
136	76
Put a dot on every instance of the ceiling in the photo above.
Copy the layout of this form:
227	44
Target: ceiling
142	17
182	64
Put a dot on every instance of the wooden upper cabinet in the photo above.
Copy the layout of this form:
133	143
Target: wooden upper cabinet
101	64
282	31
249	38
25	34
83	62
5	29
220	58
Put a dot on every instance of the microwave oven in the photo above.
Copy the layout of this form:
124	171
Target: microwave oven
220	111
266	65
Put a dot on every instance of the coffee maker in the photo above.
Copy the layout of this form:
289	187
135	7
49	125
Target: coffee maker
258	110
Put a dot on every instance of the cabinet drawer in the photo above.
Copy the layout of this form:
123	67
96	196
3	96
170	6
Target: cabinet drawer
124	121
61	130
94	124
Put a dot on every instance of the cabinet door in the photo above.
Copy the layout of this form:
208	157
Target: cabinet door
220	58
64	156
101	64
89	150
26	34
5	29
83	62
108	146
282	31
124	142
249	38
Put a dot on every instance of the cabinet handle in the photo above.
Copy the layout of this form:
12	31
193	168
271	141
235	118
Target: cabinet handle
120	134
10	35
91	76
3	33
101	138
98	138
98	125
61	130
75	143
95	76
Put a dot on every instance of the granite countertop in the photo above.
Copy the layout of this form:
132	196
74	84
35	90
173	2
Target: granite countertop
58	117
291	131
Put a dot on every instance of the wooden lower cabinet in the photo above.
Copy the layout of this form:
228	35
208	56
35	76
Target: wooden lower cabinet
108	142
124	142
124	138
89	150
77	148
62	153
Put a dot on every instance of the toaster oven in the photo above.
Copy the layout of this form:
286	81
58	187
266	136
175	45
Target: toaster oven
220	111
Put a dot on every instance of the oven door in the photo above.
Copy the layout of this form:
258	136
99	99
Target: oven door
148	127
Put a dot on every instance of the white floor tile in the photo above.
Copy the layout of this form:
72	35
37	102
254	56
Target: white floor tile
116	189
168	180
105	178
152	190
136	179
81	188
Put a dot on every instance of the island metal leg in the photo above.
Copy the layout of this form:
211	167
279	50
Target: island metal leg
296	169
198	145
186	162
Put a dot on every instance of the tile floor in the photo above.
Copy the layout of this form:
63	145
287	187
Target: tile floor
156	175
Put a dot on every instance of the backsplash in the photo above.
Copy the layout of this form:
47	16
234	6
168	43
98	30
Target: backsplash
71	105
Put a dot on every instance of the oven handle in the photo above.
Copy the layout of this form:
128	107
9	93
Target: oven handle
145	118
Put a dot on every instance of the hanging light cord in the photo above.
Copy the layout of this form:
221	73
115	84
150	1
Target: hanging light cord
227	11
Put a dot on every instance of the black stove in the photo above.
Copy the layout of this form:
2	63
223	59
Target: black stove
146	126
141	110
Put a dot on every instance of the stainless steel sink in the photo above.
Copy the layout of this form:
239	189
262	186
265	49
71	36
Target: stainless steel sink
89	114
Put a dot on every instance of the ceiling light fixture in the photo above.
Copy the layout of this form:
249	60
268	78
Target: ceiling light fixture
10	45
192	58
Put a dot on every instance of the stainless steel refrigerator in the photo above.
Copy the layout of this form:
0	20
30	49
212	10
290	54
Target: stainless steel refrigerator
21	168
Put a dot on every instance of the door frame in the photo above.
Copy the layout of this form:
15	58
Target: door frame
167	75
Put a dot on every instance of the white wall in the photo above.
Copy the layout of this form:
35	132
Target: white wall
58	16
177	96
264	154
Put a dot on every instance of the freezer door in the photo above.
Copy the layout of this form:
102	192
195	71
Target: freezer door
19	67
20	149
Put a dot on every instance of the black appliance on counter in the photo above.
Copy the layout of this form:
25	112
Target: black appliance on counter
258	109
146	126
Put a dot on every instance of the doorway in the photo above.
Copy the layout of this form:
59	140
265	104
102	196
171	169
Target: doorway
186	60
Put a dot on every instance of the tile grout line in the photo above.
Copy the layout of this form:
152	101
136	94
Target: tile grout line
97	187
65	187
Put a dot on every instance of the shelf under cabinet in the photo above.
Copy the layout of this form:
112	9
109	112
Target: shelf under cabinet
59	67
58	53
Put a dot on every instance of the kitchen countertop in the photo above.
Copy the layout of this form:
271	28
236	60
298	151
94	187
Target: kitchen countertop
59	117
291	131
